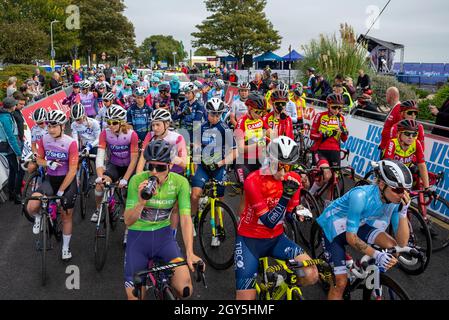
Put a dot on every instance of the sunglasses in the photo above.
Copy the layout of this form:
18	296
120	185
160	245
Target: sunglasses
280	104
158	167
412	113
52	124
113	122
215	114
40	123
410	134
285	167
336	107
259	112
398	190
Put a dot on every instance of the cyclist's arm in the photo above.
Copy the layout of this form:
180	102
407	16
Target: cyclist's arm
390	150
41	154
357	202
96	133
133	207
400	228
315	134
134	149
73	166
99	163
185	216
181	158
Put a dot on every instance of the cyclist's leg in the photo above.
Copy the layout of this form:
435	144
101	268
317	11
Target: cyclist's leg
198	182
174	219
285	249
167	249
247	253
138	253
33	207
67	213
335	255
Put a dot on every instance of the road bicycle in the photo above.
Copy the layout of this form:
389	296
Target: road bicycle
157	279
33	183
84	175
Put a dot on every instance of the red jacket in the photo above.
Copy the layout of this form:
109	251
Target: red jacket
393	118
283	127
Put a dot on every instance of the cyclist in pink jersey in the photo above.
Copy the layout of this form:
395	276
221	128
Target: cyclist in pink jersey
58	153
87	99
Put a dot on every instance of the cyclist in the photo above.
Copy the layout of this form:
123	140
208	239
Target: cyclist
164	100
58	153
150	236
238	107
218	90
409	111
122	145
37	132
175	88
99	92
189	111
139	114
328	130
279	120
154	90
85	131
74	96
297	96
361	217
408	150
87	99
218	149
108	100
118	86
271	193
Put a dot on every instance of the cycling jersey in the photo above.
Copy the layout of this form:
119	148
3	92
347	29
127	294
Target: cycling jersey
360	206
101	117
196	113
281	127
173	138
160	102
37	133
325	123
139	118
120	146
214	93
291	111
394	133
253	131
300	104
74	98
262	194
88	101
239	108
63	150
87	132
217	141
153	92
157	211
393	118
413	155
268	99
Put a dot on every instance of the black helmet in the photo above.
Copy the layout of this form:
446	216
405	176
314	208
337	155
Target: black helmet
159	151
336	99
408	125
256	101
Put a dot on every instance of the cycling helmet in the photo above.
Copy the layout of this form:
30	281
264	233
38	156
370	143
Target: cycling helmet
128	82
158	75
57	116
85	84
334	98
244	86
408	125
298	91
134	78
281	93
108	96
284	150
311	69
394	173
76	85
140	92
198	84
119	78
159	150
155	79
189	87
39	115
115	112
409	105
215	105
219	84
164	88
92	79
256	101
77	111
160	115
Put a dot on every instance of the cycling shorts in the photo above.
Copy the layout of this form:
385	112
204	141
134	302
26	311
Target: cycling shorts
244	170
331	158
115	172
335	253
248	251
145	246
51	185
202	176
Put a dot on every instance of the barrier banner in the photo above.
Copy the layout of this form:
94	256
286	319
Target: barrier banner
364	139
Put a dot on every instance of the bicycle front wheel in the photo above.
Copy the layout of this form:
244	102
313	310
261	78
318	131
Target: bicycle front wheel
44	241
102	233
84	193
390	290
218	250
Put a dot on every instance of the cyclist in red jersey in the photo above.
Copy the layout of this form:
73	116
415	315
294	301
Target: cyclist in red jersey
408	150
394	116
328	130
278	120
272	193
409	111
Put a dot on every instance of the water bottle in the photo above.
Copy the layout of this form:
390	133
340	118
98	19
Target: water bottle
53	210
112	205
149	190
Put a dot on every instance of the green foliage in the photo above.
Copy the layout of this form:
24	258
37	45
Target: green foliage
332	56
21	72
238	28
204	51
165	46
421	93
440	97
380	84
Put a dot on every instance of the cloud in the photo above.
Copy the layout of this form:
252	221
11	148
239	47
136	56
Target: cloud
420	25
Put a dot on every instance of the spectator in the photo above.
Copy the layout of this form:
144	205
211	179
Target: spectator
55	82
257	84
312	83
41	78
442	119
233	78
9	146
394	116
76	76
349	84
108	73
12	86
364	81
365	103
323	86
32	90
81	73
21	126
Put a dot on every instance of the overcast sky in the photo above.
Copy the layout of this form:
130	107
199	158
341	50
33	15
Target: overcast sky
421	25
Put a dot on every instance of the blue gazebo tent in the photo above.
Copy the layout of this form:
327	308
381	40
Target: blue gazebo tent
268	58
295	56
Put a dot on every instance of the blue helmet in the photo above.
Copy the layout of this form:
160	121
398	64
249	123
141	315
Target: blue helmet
155	79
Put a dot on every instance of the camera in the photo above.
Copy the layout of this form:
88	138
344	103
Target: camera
148	192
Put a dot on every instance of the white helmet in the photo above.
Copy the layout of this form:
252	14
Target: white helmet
189	87
115	112
215	105
160	115
219	84
284	150
78	111
109	96
394	173
57	117
85	84
39	115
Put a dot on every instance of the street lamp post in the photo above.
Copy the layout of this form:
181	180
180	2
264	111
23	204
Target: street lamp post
52	53
174	58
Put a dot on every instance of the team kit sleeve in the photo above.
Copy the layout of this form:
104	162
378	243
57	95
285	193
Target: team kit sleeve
184	197
134	147
357	200
73	154
102	140
419	153
133	189
390	150
315	134
254	198
40	149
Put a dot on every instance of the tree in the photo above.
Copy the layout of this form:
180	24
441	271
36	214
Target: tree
165	46
204	51
238	28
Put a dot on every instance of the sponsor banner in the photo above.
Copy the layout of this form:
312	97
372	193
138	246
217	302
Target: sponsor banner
364	139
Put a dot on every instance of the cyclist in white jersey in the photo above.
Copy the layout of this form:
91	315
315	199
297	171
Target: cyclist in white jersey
238	107
108	100
85	131
37	132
